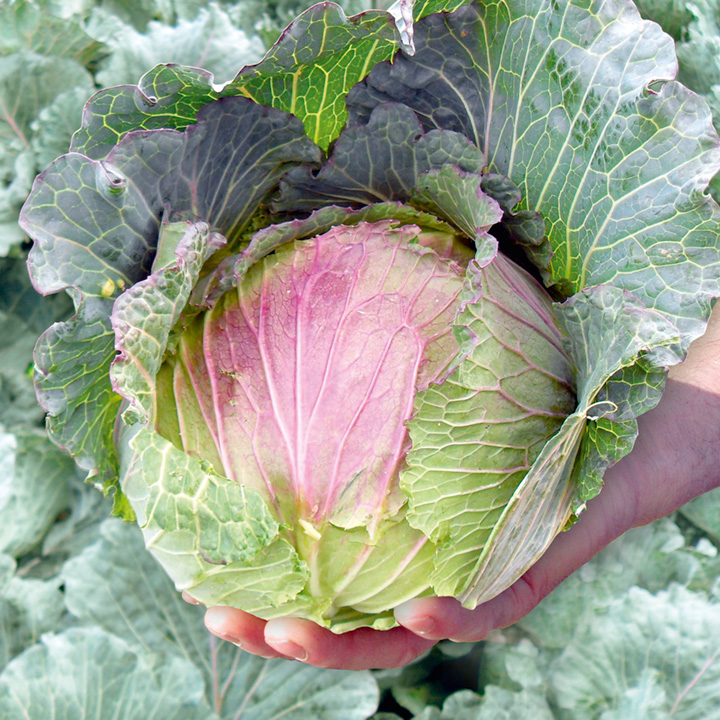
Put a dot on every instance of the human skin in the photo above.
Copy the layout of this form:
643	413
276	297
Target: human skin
676	458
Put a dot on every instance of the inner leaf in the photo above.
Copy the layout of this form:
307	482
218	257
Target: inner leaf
299	382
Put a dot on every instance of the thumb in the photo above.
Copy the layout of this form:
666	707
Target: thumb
608	516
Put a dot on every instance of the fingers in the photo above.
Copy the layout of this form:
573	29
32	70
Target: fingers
360	649
295	639
241	629
439	618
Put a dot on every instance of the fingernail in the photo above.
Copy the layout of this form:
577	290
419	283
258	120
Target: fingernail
215	622
288	647
276	635
232	640
419	624
190	599
422	625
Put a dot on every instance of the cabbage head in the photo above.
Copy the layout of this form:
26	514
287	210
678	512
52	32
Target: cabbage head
370	321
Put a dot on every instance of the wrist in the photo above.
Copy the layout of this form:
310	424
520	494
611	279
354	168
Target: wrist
677	454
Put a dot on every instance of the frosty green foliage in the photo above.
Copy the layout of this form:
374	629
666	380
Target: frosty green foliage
33	489
158	621
705	513
668	643
84	671
28	608
209	40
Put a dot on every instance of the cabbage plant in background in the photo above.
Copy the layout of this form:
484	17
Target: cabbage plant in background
370	320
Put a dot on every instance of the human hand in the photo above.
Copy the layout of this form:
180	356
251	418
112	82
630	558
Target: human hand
676	458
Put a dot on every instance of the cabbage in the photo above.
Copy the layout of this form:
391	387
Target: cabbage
370	321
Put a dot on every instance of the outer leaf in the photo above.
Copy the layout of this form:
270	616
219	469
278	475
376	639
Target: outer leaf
421	8
634	389
458	197
88	673
94	230
78	396
233	159
231	522
125	194
537	511
631	390
476	436
604	443
379	161
95	235
81	406
316	61
308	73
168	96
406	12
526	228
152	307
617	172
607	329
